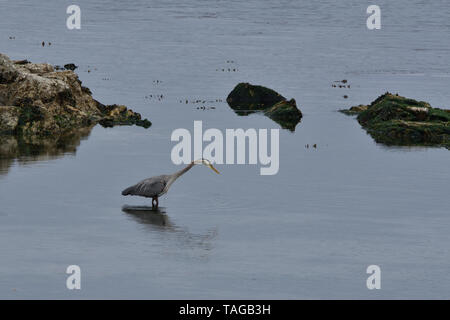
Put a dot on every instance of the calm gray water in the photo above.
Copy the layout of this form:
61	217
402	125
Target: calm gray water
308	232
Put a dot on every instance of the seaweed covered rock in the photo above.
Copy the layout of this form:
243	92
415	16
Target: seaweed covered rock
285	113
37	100
120	115
9	119
395	120
247	98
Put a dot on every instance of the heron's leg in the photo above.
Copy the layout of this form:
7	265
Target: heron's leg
155	202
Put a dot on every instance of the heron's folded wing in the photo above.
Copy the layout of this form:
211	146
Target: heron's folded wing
149	187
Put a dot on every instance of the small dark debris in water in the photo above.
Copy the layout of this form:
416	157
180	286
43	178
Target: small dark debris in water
12	38
206	108
43	43
160	97
201	101
345	96
49	43
338	85
315	146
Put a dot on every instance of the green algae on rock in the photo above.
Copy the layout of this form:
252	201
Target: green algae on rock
247	98
285	113
35	99
395	120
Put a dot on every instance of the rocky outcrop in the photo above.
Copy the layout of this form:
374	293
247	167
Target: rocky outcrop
395	120
246	98
35	99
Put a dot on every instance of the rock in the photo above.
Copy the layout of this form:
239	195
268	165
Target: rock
120	115
247	98
285	113
9	119
70	66
395	120
37	100
21	61
355	109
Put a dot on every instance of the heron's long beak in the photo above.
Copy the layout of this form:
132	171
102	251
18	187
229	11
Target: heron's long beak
215	170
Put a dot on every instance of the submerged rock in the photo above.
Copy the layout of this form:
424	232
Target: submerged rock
395	120
247	98
37	100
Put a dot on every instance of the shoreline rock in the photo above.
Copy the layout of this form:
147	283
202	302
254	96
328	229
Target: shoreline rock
35	99
396	120
246	98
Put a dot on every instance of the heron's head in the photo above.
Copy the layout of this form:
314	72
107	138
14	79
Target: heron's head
207	163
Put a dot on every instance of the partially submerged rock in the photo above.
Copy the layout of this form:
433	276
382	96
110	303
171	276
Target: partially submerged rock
70	66
37	100
247	98
395	120
285	113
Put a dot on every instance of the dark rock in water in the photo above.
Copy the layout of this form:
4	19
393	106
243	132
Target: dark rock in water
395	120
70	66
37	100
285	113
120	115
247	98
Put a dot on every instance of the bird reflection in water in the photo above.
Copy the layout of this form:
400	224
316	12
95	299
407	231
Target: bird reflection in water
156	219
149	216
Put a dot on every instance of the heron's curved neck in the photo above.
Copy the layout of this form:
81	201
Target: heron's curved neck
177	174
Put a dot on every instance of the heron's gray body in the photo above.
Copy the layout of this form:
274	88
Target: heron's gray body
155	187
150	187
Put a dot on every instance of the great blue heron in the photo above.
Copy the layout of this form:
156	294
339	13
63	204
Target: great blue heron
155	187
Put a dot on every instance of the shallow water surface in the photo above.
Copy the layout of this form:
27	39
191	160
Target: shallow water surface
308	232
